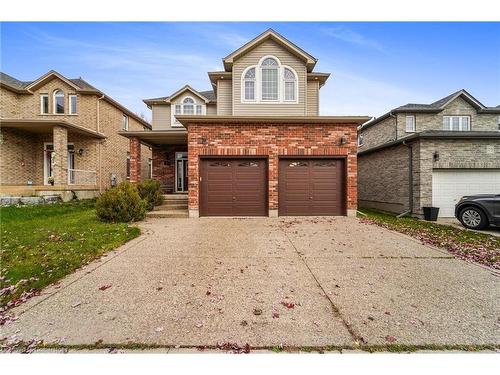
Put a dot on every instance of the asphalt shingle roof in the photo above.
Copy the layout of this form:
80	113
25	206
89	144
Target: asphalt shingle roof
21	85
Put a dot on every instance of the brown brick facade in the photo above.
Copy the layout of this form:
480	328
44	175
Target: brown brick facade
272	141
164	165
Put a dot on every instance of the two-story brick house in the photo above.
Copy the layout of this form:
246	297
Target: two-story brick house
60	136
421	155
255	145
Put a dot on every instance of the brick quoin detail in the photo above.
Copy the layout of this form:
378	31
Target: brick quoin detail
272	141
135	160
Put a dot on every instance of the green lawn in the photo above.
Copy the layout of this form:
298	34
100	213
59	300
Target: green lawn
473	246
41	244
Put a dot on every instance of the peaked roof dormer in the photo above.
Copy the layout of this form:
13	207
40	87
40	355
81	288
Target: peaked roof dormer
270	34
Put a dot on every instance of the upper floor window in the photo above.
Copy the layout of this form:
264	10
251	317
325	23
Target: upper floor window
456	123
269	79
44	103
249	84
360	140
72	104
125	122
187	107
58	102
290	84
410	124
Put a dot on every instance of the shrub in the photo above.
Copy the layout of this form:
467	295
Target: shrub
121	204
149	190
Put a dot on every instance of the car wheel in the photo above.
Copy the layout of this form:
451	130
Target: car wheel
473	218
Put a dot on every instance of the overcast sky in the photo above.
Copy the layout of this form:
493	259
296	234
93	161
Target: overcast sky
374	66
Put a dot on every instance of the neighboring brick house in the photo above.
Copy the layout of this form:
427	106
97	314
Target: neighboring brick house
255	145
65	130
421	155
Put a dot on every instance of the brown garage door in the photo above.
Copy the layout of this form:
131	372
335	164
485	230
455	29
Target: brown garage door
233	187
311	187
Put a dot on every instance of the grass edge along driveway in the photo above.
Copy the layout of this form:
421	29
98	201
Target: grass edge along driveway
41	244
464	244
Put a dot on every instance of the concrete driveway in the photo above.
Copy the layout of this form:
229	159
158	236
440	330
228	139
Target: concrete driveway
291	281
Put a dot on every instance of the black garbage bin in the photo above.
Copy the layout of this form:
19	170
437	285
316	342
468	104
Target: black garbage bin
431	213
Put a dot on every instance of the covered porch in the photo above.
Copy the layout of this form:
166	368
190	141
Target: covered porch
169	158
47	156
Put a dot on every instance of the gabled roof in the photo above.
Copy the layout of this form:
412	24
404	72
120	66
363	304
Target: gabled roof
79	84
281	40
208	96
435	107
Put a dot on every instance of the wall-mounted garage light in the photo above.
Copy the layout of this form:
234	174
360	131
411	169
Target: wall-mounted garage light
435	156
343	140
80	152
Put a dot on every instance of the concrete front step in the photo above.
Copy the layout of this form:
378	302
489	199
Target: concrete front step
172	206
175	196
167	214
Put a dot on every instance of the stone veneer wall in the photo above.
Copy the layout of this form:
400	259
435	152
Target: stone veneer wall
272	141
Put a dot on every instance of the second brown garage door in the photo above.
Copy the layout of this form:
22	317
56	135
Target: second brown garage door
311	187
233	187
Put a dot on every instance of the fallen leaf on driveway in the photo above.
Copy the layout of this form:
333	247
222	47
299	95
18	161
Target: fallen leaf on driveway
276	315
199	325
104	287
257	311
288	305
76	304
390	338
159	329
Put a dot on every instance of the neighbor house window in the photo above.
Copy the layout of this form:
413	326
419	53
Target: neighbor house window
125	122
249	84
188	106
290	83
128	164
410	124
198	109
44	103
269	79
58	102
360	140
72	104
456	123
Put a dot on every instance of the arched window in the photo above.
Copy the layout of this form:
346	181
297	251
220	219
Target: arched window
290	84
58	101
188	106
249	84
269	79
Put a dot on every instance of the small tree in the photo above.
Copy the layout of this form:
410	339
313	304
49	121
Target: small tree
121	204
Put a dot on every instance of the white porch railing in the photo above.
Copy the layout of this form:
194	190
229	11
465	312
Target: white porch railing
82	177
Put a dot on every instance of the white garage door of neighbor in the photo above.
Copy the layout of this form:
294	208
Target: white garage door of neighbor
449	185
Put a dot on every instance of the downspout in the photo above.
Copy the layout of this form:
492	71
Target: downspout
99	144
410	180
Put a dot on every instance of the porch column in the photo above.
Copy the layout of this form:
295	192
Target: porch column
135	160
60	160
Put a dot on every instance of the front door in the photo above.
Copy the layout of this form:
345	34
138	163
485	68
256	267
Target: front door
181	169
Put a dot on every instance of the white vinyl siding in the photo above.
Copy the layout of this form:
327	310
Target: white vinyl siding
410	124
224	97
161	116
269	108
456	123
313	98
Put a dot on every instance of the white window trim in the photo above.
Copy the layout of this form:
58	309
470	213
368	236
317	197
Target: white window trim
296	94
41	104
255	90
413	130
69	104
54	102
360	140
126	123
460	117
174	122
281	83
